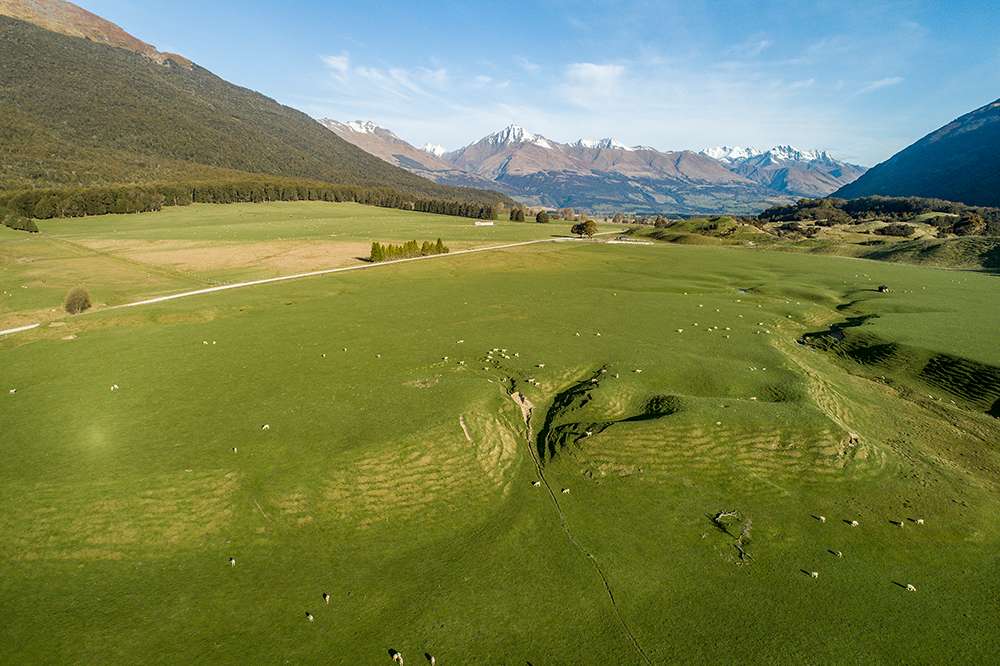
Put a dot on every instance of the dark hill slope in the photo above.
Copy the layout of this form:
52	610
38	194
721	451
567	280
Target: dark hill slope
959	162
76	112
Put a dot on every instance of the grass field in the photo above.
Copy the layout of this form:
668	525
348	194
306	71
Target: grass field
126	257
397	472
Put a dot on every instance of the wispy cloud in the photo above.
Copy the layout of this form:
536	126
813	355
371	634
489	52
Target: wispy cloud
526	64
752	48
878	84
591	84
339	65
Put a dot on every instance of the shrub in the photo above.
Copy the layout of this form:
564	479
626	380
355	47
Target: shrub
18	223
77	300
896	229
542	217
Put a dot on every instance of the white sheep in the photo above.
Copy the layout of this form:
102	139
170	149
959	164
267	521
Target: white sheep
814	574
838	553
12	391
232	561
397	657
535	484
541	365
589	433
266	426
431	659
822	519
309	616
854	523
910	588
326	598
114	387
565	491
920	521
234	449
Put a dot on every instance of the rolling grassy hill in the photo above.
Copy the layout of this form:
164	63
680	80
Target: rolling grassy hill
78	112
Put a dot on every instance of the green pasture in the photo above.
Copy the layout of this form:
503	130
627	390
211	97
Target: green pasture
396	473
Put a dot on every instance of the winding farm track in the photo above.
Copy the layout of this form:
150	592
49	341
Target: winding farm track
325	271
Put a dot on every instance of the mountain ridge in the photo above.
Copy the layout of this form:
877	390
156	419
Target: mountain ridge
959	161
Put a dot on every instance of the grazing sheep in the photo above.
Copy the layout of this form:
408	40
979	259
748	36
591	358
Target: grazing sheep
814	574
234	449
396	656
854	523
838	553
266	426
444	358
535	484
822	519
680	330
232	561
910	588
309	616
114	387
638	371
326	598
431	659
920	521
565	491
541	365
12	391
589	433
461	341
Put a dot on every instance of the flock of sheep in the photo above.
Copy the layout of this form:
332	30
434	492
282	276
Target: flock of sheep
909	587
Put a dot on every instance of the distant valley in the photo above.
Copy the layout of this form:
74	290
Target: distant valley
605	175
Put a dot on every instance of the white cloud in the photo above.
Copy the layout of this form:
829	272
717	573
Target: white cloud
339	65
880	83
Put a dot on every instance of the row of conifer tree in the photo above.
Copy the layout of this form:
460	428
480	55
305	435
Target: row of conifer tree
76	202
409	249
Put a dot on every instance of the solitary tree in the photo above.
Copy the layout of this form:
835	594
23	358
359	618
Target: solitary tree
77	300
579	229
590	228
542	217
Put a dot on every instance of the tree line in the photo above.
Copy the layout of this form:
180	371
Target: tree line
407	250
76	202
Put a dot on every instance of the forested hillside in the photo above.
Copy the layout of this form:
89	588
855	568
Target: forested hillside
78	113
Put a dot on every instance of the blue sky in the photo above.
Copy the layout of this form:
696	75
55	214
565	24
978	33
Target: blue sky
861	79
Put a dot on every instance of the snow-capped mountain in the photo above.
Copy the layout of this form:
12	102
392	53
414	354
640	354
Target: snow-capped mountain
606	175
434	149
788	169
514	134
384	144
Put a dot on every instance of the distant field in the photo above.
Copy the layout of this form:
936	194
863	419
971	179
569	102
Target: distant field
396	473
125	257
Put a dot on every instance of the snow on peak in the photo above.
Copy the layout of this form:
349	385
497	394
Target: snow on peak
434	149
786	153
361	126
731	153
603	144
516	134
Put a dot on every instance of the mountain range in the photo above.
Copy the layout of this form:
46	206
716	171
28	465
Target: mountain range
605	174
958	162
